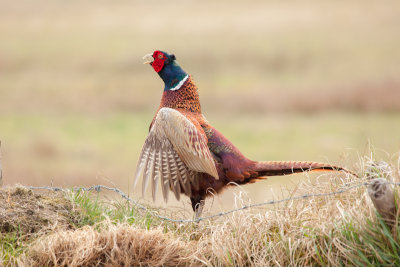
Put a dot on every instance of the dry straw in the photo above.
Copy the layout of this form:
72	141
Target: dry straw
120	245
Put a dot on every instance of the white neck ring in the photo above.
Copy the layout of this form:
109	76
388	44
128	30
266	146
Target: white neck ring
179	85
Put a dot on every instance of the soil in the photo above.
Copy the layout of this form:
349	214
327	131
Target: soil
29	213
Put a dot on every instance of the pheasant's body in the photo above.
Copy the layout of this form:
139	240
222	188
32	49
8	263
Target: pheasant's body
190	156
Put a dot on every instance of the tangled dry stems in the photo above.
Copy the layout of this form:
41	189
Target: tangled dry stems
286	235
120	245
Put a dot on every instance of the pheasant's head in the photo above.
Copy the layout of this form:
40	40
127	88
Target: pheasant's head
167	68
158	60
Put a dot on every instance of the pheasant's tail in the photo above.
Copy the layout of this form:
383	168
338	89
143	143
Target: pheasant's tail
273	168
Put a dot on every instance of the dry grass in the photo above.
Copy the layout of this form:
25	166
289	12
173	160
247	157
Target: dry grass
316	231
335	231
120	245
284	236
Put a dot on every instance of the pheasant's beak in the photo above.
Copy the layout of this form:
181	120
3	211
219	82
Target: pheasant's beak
148	59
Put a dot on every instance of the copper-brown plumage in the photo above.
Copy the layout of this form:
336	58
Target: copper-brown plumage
189	156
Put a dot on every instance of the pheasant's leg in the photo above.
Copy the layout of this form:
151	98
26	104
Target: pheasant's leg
197	206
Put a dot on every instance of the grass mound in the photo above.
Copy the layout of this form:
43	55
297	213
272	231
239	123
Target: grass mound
26	215
28	212
120	245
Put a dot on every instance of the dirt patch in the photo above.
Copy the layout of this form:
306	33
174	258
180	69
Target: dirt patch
26	212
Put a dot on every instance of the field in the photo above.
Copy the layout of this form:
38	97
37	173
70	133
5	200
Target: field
300	80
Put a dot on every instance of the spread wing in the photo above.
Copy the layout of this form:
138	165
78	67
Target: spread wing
175	152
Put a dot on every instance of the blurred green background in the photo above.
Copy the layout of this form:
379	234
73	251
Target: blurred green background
283	80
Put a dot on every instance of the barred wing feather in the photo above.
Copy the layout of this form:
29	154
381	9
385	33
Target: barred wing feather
174	152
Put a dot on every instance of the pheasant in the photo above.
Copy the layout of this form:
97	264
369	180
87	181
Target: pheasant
188	155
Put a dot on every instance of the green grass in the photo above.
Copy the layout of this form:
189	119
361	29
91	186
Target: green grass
372	245
12	245
93	209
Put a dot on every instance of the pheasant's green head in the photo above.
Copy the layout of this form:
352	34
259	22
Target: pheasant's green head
170	72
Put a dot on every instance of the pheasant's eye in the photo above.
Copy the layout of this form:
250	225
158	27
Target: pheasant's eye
160	56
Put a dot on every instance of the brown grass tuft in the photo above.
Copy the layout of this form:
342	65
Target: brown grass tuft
290	234
121	245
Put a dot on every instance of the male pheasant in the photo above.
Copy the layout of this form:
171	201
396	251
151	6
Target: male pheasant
187	154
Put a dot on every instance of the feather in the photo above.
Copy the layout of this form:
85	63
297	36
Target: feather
164	175
194	179
157	173
188	141
174	152
184	179
141	164
174	184
149	172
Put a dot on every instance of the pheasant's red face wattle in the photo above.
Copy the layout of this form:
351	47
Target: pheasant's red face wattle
159	61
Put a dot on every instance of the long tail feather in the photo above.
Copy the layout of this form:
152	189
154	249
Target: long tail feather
273	168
